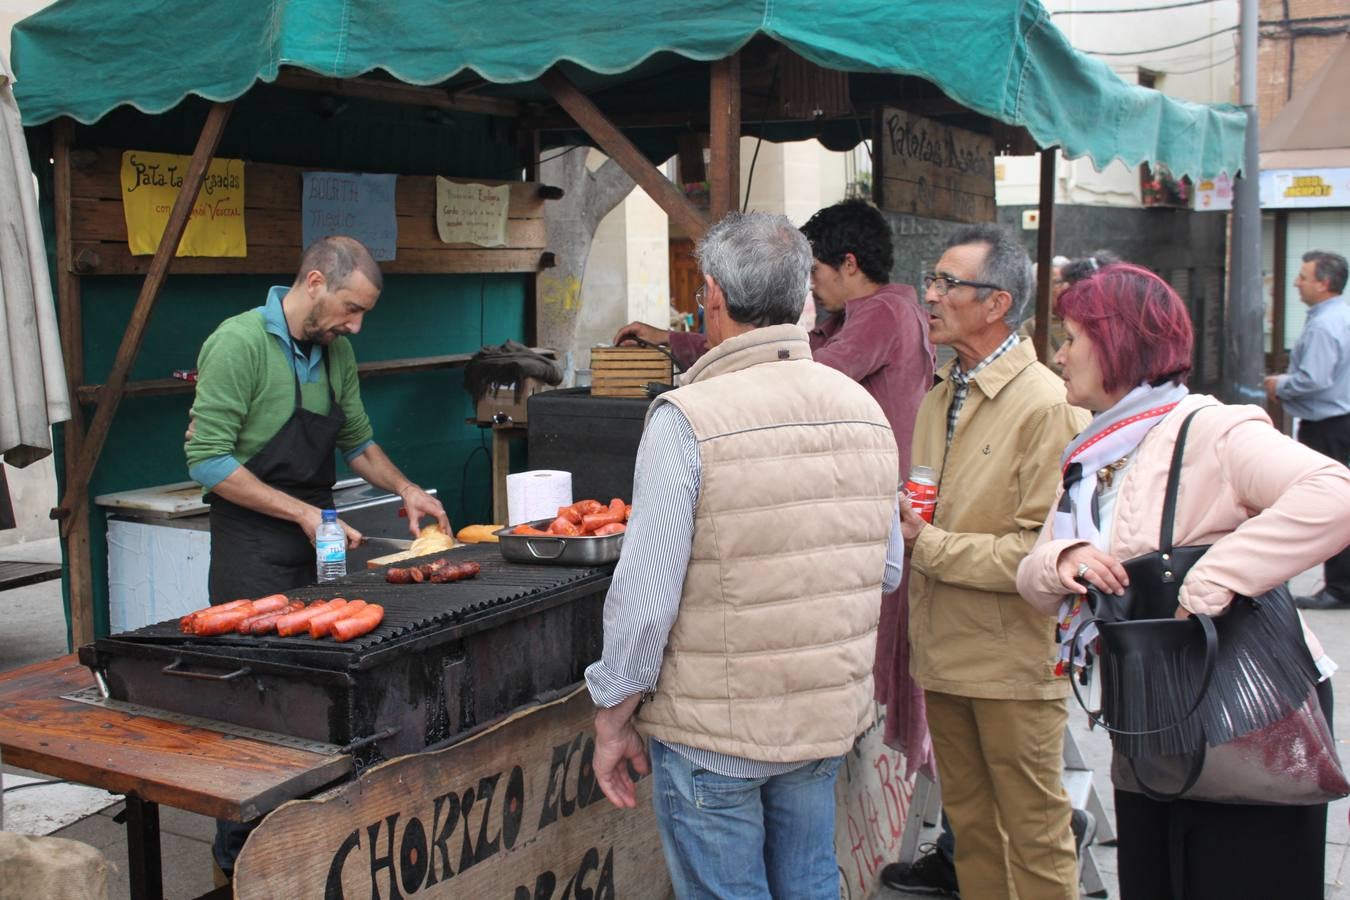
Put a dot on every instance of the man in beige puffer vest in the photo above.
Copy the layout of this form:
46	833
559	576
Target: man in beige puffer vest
745	604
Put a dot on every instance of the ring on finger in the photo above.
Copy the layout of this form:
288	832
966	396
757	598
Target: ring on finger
1083	570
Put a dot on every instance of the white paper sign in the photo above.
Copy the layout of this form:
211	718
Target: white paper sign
471	213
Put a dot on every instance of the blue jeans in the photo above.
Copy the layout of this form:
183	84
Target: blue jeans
746	838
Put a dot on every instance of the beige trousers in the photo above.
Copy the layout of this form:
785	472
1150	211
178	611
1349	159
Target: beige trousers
1000	762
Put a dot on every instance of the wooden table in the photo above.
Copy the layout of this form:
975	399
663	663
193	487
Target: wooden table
149	760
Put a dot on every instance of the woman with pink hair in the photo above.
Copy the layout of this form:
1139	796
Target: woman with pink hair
1268	508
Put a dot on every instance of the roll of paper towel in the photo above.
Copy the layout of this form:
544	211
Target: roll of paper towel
536	495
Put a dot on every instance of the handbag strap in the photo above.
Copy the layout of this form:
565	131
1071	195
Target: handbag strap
1169	511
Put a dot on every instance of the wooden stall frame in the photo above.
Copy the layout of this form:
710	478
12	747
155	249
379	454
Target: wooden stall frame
76	497
83	446
619	148
1045	254
724	137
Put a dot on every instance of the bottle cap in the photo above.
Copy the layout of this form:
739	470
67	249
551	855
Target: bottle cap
330	515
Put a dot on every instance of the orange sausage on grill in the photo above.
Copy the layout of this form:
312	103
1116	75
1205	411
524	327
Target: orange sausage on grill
185	623
269	603
273	613
220	623
589	524
363	622
298	622
267	623
320	624
611	528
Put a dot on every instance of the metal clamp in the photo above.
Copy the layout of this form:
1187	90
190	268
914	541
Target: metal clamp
174	668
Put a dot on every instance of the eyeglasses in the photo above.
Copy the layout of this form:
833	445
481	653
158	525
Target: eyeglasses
942	284
700	294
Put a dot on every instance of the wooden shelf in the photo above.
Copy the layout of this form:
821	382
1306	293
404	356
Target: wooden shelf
153	387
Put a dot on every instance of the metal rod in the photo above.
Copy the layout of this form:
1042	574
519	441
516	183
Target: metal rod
1244	325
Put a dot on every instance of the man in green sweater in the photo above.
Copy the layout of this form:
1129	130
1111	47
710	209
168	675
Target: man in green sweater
277	393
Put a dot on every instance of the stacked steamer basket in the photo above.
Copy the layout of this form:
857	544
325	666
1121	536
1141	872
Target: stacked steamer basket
626	371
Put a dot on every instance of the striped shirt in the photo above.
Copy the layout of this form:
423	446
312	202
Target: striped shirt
961	381
644	597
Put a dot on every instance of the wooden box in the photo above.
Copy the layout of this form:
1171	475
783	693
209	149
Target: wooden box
625	371
505	404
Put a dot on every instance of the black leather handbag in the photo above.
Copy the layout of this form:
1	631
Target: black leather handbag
1221	709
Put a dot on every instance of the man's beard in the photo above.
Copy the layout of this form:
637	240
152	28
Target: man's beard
313	333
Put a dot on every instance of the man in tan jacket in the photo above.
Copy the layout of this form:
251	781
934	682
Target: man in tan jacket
744	607
993	429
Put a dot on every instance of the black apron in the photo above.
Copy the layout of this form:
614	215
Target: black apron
252	554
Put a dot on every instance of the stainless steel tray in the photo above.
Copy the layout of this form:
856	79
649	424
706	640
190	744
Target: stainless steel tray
559	550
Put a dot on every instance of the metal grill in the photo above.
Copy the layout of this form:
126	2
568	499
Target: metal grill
410	610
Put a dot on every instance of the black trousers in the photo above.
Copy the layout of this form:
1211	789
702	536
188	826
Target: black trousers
1221	850
1332	438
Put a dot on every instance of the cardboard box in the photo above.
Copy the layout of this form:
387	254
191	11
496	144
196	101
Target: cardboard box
505	404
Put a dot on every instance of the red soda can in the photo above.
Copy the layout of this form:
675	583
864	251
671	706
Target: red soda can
922	488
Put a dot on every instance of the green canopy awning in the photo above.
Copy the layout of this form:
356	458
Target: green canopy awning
1000	58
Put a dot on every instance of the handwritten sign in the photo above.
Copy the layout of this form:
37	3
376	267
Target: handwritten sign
471	213
151	183
515	812
512	812
356	205
872	800
933	170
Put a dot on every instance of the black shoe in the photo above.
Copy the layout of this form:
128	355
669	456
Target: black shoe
929	874
1323	599
1084	826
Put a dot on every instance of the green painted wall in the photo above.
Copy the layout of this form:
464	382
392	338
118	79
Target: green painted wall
418	418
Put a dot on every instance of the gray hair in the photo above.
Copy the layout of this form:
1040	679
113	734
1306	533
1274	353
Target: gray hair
1328	267
762	263
337	256
1006	264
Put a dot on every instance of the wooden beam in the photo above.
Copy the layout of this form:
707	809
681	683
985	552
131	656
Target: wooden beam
397	92
77	489
724	136
1045	253
75	530
612	141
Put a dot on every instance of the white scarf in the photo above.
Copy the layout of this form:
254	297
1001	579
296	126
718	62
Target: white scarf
1111	435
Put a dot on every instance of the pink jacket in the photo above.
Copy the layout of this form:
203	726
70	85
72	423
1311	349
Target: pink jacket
1270	507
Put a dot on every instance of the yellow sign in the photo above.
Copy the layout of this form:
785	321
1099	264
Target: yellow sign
150	185
1308	186
471	213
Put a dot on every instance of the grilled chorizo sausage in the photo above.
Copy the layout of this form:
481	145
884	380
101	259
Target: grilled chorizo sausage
267	623
320	624
220	623
363	622
298	622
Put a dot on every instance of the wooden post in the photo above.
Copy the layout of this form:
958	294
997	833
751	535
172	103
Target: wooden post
1045	253
77	489
75	529
528	141
724	136
621	150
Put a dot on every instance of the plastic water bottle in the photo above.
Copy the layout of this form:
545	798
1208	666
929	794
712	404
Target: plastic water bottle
330	547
